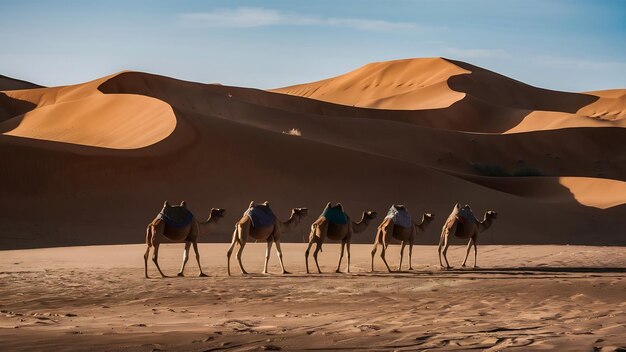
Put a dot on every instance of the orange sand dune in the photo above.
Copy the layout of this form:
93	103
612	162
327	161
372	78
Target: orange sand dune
97	160
80	114
437	83
401	84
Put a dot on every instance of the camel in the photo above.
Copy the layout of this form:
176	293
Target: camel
176	224
335	224
399	226
267	228
462	224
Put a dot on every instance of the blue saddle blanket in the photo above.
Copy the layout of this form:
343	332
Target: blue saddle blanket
399	215
465	215
176	216
335	215
261	216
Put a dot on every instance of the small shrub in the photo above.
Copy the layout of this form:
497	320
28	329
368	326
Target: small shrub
293	132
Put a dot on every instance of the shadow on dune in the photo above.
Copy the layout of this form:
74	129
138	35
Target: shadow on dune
491	86
10	108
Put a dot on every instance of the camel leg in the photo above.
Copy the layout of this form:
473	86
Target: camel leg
279	252
343	247
382	255
306	254
267	254
374	253
155	258
230	250
469	246
475	240
401	255
239	251
145	261
195	249
411	255
185	258
317	249
446	244
348	252
439	249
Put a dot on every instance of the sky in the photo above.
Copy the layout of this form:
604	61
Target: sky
562	45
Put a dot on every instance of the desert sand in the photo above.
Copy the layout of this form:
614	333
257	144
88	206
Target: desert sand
92	163
521	298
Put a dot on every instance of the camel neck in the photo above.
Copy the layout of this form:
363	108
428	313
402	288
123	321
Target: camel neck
292	222
486	223
361	225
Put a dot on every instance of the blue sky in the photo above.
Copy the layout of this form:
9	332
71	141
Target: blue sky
564	45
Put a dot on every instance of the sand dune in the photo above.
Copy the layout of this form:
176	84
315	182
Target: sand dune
437	83
402	85
82	115
96	160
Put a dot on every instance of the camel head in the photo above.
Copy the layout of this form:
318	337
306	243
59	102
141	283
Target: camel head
217	213
491	215
427	219
369	215
300	212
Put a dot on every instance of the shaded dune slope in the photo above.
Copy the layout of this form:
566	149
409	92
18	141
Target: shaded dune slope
226	147
8	83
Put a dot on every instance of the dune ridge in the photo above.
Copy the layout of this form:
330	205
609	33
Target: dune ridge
122	144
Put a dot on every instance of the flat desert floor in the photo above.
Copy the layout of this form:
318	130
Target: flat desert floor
521	298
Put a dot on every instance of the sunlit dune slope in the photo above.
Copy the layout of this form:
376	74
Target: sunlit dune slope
80	114
409	84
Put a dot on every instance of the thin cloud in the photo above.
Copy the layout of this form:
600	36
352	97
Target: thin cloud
565	62
477	53
250	17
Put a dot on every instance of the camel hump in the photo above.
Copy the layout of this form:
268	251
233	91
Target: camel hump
335	214
400	216
261	215
176	216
